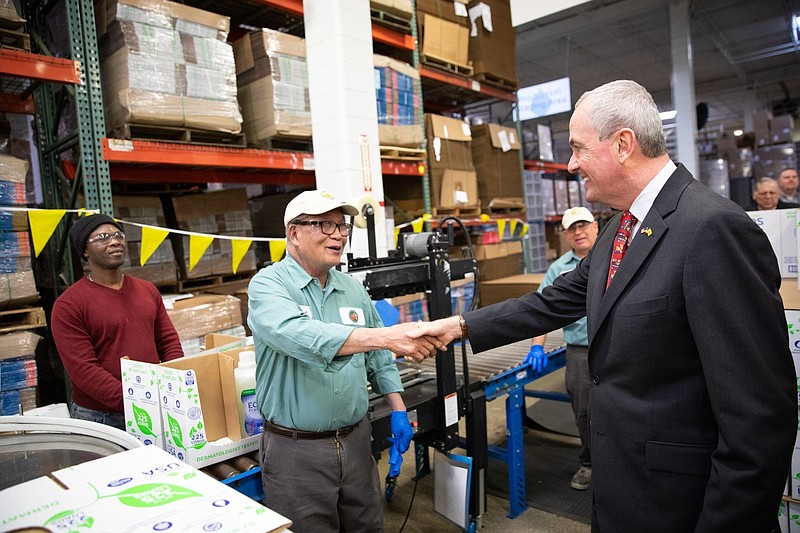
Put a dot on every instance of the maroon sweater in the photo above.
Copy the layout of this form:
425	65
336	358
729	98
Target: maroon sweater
95	326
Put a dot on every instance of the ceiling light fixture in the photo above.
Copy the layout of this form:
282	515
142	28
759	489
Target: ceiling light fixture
667	115
796	29
737	133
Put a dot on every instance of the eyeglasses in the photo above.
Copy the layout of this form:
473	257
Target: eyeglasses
326	226
105	238
578	225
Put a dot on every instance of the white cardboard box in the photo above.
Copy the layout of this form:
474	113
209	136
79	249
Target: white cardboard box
780	225
144	489
140	401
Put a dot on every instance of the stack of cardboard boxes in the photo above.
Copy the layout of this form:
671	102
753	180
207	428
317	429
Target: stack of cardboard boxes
224	212
272	77
160	269
166	64
496	156
452	173
398	100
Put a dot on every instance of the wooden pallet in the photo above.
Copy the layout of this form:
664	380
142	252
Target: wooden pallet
464	210
294	144
176	134
391	20
401	152
510	205
16	40
211	282
496	81
447	65
20	319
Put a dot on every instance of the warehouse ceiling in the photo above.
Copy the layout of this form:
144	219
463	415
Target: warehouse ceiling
745	57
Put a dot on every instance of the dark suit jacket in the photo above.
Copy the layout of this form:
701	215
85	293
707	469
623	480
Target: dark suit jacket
693	404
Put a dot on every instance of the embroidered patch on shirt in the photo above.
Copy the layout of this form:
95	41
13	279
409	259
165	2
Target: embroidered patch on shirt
306	310
352	315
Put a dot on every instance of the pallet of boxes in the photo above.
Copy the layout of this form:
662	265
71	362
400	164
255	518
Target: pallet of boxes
272	80
166	65
454	184
443	29
18	319
492	43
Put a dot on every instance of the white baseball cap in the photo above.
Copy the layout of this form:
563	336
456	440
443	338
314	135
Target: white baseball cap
315	203
575	214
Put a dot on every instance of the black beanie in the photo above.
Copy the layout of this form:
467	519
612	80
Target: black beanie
84	227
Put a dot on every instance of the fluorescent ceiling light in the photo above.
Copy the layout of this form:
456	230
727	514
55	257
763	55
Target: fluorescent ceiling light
667	115
796	28
738	133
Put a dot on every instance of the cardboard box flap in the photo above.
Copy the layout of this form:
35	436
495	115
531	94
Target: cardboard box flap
504	138
451	129
459	188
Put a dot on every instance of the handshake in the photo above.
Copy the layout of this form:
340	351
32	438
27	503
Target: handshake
419	340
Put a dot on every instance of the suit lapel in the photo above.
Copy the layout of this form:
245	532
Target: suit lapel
652	230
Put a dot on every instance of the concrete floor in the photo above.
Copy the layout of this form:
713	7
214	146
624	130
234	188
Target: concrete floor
423	518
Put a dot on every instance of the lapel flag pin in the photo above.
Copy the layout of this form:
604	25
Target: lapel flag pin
647	231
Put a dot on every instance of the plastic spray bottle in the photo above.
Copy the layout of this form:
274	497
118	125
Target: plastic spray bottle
245	378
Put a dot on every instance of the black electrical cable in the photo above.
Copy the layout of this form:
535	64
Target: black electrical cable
408	513
460	224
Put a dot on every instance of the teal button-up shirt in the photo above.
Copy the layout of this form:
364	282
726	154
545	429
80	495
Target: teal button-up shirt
297	331
576	332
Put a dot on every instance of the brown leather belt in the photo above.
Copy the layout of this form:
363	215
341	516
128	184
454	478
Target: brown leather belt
300	434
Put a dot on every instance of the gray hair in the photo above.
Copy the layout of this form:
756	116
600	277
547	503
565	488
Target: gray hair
626	104
765	180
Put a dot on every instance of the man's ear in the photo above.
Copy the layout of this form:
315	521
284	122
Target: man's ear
626	144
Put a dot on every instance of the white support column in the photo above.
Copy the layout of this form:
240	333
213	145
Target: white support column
344	118
683	97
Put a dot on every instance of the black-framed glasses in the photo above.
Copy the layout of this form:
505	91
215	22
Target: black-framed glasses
326	226
105	238
580	225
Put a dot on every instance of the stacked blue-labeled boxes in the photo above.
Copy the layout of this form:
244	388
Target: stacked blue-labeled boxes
15	243
396	93
18	373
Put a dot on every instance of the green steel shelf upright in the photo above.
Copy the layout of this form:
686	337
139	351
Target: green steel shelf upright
86	98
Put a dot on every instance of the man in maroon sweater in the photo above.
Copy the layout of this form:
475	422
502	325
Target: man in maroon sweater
105	316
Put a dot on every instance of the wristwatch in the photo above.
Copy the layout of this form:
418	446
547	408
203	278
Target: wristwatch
464	327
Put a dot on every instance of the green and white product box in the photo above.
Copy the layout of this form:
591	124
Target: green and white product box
140	399
199	409
144	489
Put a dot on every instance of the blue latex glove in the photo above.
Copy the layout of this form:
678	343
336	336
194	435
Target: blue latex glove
395	460
401	431
536	358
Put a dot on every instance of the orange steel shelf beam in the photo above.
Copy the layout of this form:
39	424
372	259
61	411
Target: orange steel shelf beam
379	33
11	103
176	174
20	64
544	166
465	83
232	165
122	151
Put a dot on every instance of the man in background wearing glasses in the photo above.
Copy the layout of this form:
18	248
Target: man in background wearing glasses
105	316
581	230
319	341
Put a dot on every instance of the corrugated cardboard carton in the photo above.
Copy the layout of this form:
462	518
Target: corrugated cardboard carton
493	51
444	41
496	156
501	289
207	313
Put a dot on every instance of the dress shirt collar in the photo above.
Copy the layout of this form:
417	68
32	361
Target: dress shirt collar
641	206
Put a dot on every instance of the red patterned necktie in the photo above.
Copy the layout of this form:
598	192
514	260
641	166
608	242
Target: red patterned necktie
626	223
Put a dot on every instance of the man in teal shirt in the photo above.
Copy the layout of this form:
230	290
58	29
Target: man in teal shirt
581	230
319	341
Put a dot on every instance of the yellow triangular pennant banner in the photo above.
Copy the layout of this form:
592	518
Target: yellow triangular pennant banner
239	247
501	227
43	223
276	249
416	225
513	227
197	247
396	236
524	230
151	240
